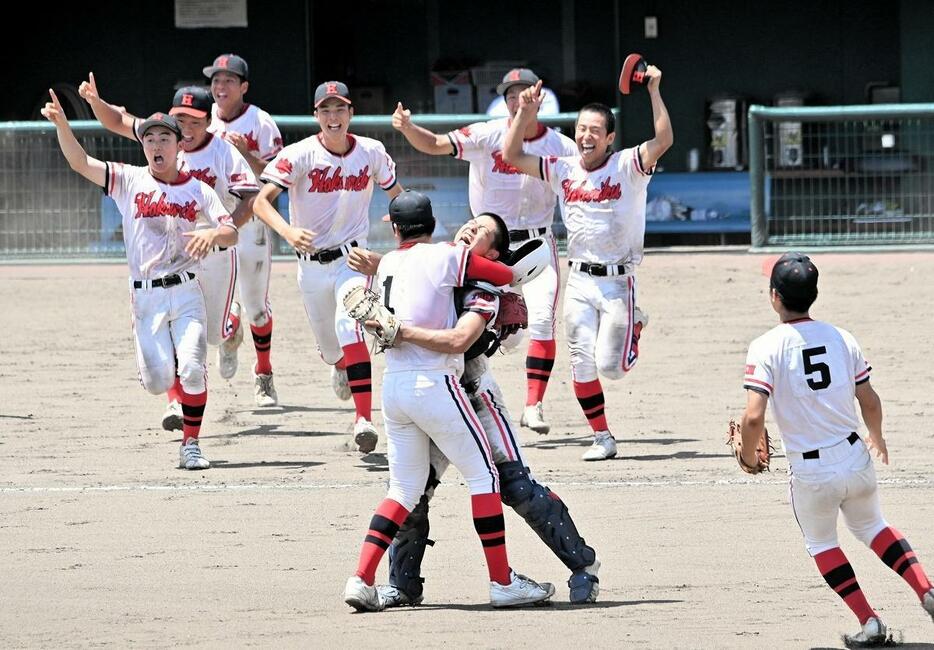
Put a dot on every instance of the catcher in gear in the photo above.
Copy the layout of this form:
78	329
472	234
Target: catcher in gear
812	372
482	322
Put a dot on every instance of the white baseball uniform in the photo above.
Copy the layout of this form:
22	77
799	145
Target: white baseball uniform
604	213
254	247
423	400
526	204
330	194
809	370
168	321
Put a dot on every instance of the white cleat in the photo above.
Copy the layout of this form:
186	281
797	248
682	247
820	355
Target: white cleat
365	435
172	418
928	603
361	596
872	635
189	456
227	350
603	447
264	390
521	591
340	383
533	417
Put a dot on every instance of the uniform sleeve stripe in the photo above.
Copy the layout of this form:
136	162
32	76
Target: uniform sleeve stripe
542	169
863	380
863	373
275	180
388	184
752	380
462	268
453	142
756	389
108	182
637	160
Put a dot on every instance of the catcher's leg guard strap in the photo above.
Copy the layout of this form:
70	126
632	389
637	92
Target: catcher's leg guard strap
546	514
409	544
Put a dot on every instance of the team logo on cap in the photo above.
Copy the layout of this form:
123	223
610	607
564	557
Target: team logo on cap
331	89
187	100
222	61
514	75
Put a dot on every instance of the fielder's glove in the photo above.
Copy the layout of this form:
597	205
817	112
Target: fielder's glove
365	307
512	316
734	438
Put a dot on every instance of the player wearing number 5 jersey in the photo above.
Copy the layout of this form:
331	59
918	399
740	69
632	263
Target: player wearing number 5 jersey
330	178
811	372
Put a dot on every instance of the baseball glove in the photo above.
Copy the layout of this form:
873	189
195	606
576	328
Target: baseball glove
512	316
365	307
734	439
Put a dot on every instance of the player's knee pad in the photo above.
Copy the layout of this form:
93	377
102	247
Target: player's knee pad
545	513
409	545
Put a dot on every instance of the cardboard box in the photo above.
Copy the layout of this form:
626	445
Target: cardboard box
368	100
453	92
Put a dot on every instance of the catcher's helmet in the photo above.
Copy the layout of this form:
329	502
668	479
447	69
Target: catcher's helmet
411	212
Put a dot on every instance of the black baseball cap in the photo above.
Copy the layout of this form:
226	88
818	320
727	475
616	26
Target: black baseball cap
159	119
411	208
794	277
517	76
192	100
330	89
228	63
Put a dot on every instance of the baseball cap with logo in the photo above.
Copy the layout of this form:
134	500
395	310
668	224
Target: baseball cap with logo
409	210
794	277
330	89
517	76
192	100
228	63
159	119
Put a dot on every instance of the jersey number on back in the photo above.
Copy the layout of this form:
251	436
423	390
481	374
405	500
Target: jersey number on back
821	368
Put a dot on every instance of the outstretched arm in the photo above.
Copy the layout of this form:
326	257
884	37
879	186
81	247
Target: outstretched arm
91	168
111	117
530	100
651	150
420	138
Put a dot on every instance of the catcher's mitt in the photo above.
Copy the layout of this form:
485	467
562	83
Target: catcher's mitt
764	449
364	305
512	316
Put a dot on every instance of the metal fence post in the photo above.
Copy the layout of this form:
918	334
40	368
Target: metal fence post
760	232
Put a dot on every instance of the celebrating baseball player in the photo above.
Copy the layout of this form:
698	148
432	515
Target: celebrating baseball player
255	135
217	163
423	402
602	196
329	178
170	221
526	204
811	371
479	329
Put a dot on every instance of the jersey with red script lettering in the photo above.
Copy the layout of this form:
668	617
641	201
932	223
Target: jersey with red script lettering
156	215
603	208
330	193
809	369
522	201
417	284
256	125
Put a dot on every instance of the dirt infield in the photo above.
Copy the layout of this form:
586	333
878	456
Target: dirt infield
104	543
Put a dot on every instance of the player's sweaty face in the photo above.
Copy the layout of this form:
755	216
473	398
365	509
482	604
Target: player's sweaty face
591	137
227	90
160	146
194	131
334	117
479	235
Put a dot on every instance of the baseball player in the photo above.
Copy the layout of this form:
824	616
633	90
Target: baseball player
526	204
475	336
602	196
216	162
424	402
170	221
330	178
811	371
253	132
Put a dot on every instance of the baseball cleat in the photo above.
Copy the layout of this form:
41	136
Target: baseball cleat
603	447
365	435
340	383
584	584
533	417
361	596
264	390
172	418
521	591
872	635
394	597
189	456
227	350
928	603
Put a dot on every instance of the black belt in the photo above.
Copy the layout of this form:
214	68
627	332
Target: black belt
599	270
218	249
815	453
324	256
523	235
165	283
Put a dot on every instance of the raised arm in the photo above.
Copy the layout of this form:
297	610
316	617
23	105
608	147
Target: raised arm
420	138
651	150
91	168
530	100
112	118
457	340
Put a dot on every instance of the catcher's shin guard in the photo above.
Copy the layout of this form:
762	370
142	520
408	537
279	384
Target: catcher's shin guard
546	514
409	545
